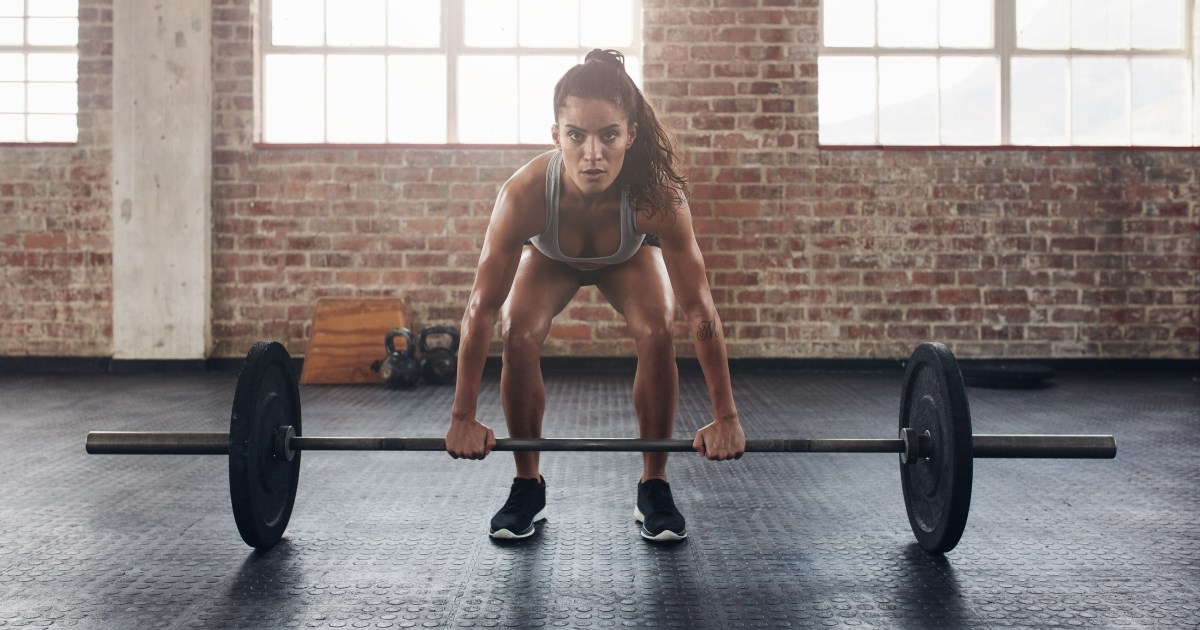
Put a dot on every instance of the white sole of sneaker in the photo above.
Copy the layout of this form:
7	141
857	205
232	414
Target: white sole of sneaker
504	534
665	535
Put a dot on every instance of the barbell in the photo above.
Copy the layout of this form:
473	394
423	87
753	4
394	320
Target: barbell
935	445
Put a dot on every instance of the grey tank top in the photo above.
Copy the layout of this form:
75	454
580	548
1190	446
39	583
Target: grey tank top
547	241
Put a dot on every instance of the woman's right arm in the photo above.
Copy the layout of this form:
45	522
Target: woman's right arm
507	231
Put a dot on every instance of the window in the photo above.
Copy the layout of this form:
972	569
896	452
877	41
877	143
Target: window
1008	72
428	71
39	63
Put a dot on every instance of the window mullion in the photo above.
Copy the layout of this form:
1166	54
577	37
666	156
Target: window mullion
1005	30
876	55
28	50
452	29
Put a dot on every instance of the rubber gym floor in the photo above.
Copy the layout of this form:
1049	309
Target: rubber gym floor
397	540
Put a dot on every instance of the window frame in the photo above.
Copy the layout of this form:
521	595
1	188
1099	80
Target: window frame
1004	49
27	49
453	46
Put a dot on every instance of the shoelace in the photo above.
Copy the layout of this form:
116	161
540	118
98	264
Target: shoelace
659	496
515	497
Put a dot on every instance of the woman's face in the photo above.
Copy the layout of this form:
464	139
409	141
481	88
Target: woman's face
593	135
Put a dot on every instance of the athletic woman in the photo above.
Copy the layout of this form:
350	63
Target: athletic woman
608	208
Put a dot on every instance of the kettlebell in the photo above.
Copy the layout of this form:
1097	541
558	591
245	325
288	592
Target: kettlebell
400	371
439	365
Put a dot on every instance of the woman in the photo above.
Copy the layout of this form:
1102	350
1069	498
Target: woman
580	215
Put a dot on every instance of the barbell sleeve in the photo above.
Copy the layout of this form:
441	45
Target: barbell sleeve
984	445
1044	446
157	443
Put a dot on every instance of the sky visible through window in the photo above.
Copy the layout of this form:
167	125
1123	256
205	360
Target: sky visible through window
1023	72
429	71
39	70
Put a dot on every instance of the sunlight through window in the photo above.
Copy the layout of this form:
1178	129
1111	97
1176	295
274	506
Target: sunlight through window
428	71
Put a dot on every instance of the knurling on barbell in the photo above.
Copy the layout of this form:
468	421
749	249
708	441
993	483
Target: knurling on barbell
936	446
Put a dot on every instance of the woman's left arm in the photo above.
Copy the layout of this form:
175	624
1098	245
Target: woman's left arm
723	438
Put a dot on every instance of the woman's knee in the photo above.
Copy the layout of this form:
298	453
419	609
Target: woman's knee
522	340
657	337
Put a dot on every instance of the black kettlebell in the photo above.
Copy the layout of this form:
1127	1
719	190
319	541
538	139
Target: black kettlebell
439	365
400	371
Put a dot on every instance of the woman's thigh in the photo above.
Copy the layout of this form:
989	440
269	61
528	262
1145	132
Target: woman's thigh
541	289
640	290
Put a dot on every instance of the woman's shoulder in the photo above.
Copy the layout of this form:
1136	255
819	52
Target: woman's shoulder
522	200
530	179
652	218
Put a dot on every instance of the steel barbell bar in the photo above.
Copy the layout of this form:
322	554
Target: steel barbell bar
983	445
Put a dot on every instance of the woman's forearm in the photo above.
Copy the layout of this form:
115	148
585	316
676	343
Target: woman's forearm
708	337
476	333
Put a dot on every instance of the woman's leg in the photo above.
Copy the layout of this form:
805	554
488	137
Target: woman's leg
541	289
640	290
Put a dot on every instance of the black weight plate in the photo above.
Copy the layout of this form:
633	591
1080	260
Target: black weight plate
262	487
937	489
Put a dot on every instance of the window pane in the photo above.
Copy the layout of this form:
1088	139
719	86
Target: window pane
356	23
12	128
52	98
1044	24
297	22
966	23
908	23
490	23
908	100
1099	101
53	128
605	23
294	98
1100	24
487	99
849	23
1161	103
633	67
846	100
54	8
12	32
415	23
12	98
356	98
549	23
417	116
12	8
12	67
53	67
538	76
53	32
1040	92
1158	24
970	100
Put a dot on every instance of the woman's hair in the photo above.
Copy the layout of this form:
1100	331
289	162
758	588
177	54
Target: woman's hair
650	170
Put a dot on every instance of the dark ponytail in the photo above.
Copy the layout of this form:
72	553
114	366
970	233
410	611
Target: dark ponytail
651	168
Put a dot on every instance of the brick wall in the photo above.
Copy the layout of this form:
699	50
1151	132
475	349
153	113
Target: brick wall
812	253
55	225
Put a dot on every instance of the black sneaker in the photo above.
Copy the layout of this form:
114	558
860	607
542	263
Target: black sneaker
526	505
656	512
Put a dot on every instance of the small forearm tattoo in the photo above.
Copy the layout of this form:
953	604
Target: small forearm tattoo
707	330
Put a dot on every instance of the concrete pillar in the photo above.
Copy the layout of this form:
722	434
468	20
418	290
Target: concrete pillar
162	179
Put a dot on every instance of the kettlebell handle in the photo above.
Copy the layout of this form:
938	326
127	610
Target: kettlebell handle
409	348
438	330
